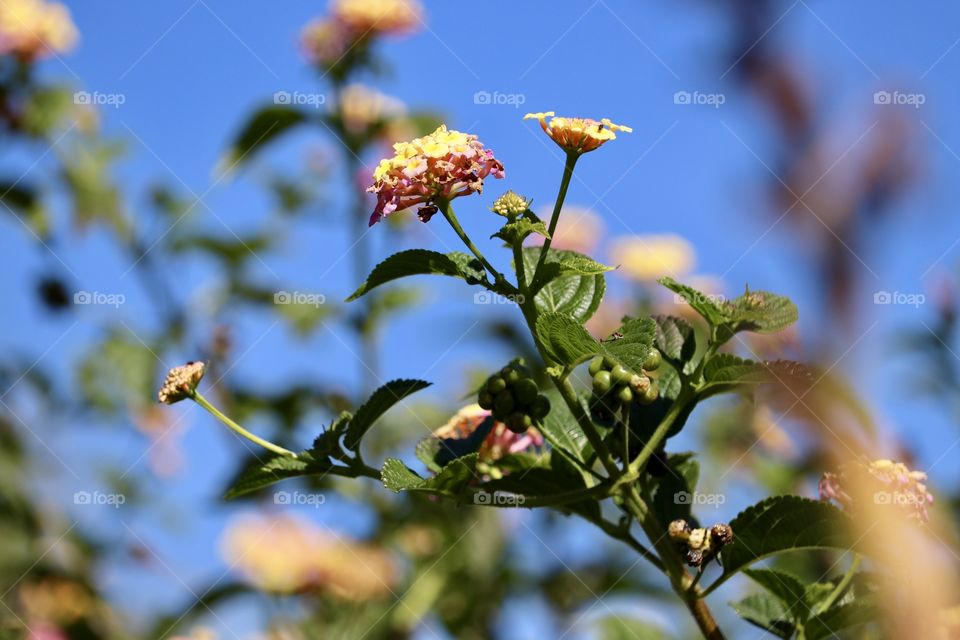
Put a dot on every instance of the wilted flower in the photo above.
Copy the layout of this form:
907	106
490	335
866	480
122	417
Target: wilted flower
885	482
500	442
34	28
700	545
361	107
649	257
577	135
285	554
444	164
378	16
181	382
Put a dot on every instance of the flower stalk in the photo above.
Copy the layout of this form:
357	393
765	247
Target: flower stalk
197	397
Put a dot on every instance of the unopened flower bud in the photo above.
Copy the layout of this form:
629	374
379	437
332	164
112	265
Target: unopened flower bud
181	382
510	205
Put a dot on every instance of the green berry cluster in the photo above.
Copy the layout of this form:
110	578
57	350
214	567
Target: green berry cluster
514	397
614	386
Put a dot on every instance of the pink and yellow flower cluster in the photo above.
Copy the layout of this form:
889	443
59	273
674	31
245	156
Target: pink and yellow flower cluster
33	29
443	165
350	22
500	442
577	135
884	482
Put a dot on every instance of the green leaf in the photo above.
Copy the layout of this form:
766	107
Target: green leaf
766	612
564	339
632	343
727	370
575	295
782	524
450	481
702	303
682	474
675	339
840	617
788	588
624	628
760	312
378	404
561	430
266	124
514	233
273	471
420	262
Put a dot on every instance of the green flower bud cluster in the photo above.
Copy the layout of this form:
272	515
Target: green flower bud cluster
514	398
614	386
510	205
700	545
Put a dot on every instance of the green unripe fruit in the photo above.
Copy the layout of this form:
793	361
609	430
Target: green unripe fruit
540	407
496	384
596	366
625	395
609	362
510	375
620	374
652	361
526	391
602	382
503	403
650	395
485	400
518	422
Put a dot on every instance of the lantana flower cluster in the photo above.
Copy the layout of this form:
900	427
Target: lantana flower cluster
444	165
327	40
885	482
34	29
577	135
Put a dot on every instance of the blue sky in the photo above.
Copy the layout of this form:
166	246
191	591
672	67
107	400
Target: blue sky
190	70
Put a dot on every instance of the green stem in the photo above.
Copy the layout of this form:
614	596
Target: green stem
568	166
569	395
678	406
447	211
841	587
266	444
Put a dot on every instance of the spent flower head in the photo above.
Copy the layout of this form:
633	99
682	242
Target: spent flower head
885	482
510	205
34	28
577	135
181	382
442	165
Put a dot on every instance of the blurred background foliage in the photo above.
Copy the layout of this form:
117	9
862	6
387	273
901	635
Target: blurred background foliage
86	533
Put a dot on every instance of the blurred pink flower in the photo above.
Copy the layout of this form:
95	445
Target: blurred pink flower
444	164
500	442
578	229
34	28
885	482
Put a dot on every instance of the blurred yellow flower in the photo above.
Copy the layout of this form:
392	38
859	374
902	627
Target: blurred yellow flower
34	28
378	16
579	229
56	600
361	107
649	257
286	554
577	135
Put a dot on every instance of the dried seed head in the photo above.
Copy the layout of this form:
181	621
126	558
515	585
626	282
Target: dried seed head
721	533
679	530
181	382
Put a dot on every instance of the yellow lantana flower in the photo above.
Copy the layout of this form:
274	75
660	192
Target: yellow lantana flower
650	257
33	28
577	135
